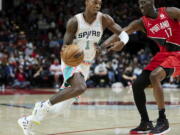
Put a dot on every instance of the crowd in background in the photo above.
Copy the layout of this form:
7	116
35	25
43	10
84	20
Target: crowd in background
31	36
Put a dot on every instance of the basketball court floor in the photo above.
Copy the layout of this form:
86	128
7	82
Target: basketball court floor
97	112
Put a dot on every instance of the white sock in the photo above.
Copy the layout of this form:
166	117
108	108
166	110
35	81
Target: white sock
38	116
57	109
29	117
47	103
60	108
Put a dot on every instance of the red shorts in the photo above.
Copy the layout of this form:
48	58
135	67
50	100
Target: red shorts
166	60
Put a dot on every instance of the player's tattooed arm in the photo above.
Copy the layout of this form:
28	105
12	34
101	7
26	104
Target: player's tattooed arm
174	13
71	29
109	23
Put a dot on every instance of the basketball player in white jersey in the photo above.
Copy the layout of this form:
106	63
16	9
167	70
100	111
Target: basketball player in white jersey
85	30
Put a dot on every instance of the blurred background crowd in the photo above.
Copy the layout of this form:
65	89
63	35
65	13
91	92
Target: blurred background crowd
31	36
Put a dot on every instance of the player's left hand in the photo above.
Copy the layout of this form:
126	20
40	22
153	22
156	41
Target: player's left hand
116	46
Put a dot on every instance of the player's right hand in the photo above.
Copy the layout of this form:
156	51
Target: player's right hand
116	46
63	47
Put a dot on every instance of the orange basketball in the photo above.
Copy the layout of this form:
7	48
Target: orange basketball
72	55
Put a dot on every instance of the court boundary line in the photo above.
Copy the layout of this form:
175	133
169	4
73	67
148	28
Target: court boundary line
100	103
16	106
88	130
98	129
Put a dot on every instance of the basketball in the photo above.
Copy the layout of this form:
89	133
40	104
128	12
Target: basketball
72	55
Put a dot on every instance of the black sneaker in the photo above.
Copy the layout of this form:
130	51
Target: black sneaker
161	127
144	128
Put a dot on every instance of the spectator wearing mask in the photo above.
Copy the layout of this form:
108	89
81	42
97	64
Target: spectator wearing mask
101	74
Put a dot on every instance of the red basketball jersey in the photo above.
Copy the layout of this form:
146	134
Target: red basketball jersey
164	30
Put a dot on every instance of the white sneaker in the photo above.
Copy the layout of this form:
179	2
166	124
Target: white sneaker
26	125
40	111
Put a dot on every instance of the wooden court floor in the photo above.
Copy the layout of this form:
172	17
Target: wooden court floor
97	112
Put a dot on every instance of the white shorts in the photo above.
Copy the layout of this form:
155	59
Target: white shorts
68	72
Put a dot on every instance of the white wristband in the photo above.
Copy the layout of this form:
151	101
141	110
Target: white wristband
124	37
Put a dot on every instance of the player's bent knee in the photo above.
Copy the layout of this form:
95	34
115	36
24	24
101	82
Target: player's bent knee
80	89
83	88
154	76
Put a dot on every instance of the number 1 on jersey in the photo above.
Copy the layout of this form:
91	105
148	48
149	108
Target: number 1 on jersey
87	45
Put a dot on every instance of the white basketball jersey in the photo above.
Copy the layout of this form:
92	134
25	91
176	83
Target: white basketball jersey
88	34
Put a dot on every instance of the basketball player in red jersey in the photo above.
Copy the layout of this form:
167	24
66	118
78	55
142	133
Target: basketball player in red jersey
163	26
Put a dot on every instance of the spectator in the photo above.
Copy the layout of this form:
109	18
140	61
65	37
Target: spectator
128	77
20	79
101	74
56	71
2	76
10	72
43	76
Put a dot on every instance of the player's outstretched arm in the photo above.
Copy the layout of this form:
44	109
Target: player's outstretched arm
136	25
